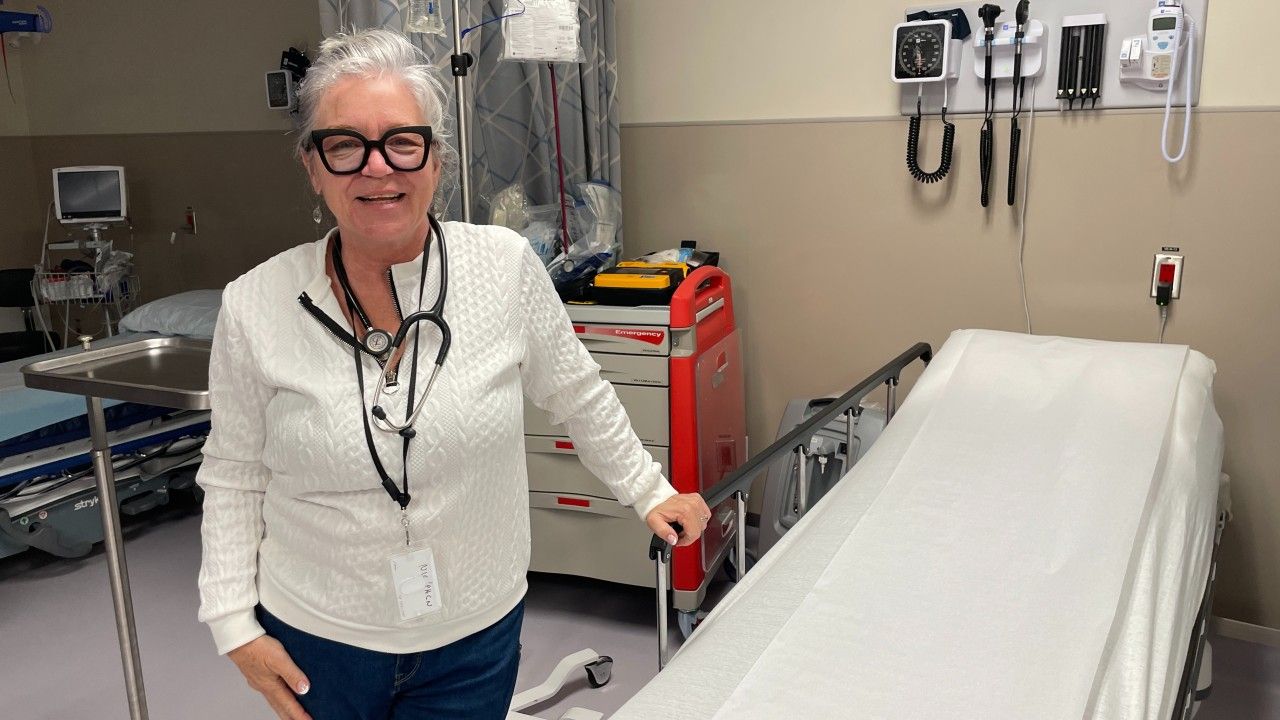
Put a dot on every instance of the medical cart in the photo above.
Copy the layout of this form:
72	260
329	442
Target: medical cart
114	290
677	369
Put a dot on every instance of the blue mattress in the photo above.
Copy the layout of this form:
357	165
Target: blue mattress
23	410
32	420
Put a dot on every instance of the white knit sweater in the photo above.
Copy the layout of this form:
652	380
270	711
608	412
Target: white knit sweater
295	516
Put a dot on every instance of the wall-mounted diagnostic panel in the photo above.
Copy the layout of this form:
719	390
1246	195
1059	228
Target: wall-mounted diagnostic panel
1119	53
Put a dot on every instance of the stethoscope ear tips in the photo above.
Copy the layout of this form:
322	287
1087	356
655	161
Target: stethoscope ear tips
378	412
408	433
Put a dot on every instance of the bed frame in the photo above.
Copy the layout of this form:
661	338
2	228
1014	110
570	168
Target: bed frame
738	484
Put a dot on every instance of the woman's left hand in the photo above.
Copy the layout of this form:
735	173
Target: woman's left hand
689	510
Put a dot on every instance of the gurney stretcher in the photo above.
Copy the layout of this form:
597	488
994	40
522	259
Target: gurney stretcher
47	496
1033	535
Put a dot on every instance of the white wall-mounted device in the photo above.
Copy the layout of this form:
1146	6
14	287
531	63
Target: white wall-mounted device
1148	60
280	90
1154	60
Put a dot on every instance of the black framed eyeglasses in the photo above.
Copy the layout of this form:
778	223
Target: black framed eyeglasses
345	152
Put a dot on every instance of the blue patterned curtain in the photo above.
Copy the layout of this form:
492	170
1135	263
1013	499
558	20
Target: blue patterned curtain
513	137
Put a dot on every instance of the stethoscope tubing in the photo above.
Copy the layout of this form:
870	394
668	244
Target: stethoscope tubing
434	316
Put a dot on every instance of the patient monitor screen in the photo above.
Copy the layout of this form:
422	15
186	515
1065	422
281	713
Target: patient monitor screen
89	194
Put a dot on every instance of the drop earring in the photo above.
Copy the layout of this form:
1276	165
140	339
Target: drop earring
316	215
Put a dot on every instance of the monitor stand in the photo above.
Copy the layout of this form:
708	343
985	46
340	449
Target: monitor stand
95	234
93	241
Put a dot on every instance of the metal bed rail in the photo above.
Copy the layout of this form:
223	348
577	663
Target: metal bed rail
1188	693
738	483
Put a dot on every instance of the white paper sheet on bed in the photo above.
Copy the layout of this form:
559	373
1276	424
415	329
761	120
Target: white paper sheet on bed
985	559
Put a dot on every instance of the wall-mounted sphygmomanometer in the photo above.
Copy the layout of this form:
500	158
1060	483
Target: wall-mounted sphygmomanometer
1154	59
926	49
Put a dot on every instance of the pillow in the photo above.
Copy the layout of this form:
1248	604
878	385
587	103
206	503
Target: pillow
193	314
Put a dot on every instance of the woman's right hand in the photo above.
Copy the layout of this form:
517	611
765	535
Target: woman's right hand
267	666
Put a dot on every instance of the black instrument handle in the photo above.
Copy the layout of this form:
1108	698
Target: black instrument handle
1015	139
1064	43
986	151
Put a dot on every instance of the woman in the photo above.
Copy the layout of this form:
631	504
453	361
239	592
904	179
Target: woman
366	527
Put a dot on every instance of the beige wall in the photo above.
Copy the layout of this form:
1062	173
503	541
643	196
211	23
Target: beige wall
762	59
20	212
19	216
251	200
174	92
123	66
13	109
835	250
840	260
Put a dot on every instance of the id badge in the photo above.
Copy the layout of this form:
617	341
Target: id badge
413	575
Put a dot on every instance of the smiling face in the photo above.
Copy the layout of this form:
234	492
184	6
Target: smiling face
378	205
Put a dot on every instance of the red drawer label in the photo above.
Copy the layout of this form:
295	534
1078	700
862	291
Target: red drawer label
652	337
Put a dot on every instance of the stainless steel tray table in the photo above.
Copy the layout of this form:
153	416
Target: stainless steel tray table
166	371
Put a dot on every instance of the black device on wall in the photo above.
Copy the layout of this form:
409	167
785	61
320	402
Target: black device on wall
1019	92
986	148
282	83
1080	60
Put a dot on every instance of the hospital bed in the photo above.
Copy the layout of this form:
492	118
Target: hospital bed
1033	535
47	495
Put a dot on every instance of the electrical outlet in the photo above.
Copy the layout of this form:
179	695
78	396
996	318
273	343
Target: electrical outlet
1167	259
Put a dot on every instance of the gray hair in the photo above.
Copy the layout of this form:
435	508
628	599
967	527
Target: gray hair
373	53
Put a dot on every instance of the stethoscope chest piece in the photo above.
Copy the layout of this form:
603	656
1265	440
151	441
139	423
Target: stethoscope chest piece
381	343
378	342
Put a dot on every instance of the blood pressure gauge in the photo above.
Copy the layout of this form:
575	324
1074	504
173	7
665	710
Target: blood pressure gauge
921	51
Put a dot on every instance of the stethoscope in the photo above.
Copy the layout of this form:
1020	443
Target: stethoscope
381	344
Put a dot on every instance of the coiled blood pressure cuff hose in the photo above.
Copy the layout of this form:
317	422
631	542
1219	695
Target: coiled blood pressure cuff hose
913	148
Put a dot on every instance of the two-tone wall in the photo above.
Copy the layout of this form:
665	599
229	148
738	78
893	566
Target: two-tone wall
769	132
174	92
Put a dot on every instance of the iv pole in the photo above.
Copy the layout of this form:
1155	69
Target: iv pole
460	62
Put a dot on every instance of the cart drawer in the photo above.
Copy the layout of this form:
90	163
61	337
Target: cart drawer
647	407
625	339
554	467
633	369
588	537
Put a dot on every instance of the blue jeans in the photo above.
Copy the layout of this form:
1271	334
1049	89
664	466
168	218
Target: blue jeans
470	679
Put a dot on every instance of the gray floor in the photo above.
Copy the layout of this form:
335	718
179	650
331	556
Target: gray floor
61	662
1246	682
